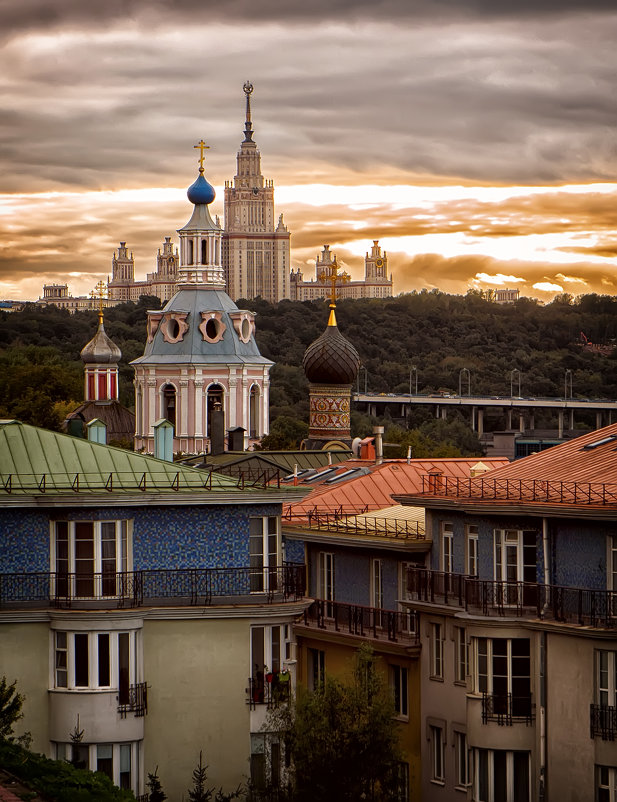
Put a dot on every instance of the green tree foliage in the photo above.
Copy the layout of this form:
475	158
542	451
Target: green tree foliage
342	739
200	793
11	703
286	434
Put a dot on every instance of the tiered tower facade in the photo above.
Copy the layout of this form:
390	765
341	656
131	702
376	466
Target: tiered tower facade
255	247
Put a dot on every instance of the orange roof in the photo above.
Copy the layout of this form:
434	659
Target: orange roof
374	490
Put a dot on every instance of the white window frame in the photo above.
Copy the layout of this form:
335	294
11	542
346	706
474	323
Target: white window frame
510	539
611	562
438	754
325	580
68	657
606	678
471	551
463	777
399	683
265	553
510	779
461	655
447	548
606	782
64	751
377	583
436	651
100	587
316	668
409	623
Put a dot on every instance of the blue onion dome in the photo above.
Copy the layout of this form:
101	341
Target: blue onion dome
201	191
331	359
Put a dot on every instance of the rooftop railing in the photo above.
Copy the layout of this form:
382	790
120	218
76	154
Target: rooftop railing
188	586
348	523
539	490
581	606
367	622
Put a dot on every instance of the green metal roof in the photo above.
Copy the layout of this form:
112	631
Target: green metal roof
282	459
37	461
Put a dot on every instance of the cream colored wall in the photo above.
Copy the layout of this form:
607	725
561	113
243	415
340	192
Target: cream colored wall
24	656
197	672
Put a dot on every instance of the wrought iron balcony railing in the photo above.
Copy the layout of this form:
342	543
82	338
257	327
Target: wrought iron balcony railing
594	608
347	523
168	587
367	622
603	722
270	688
133	699
506	709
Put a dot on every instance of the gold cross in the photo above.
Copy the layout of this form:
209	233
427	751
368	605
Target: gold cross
333	277
99	291
201	145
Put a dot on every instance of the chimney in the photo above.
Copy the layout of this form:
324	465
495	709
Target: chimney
235	439
164	440
378	432
217	429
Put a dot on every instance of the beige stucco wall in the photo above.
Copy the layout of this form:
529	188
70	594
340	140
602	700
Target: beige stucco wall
197	672
24	656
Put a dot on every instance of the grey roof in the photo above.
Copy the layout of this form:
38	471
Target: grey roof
101	349
193	348
200	220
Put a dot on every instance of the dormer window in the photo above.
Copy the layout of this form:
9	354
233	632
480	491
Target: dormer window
174	326
244	324
212	327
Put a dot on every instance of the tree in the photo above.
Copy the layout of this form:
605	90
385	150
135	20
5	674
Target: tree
341	738
156	793
285	434
11	703
200	793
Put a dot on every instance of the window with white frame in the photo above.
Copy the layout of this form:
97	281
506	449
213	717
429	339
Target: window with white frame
462	759
268	647
503	672
437	744
264	553
96	661
325	580
606	673
436	656
399	684
611	563
606	784
119	761
90	557
377	583
461	654
447	547
316	665
515	555
409	618
500	775
471	549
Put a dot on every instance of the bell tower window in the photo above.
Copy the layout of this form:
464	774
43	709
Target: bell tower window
169	404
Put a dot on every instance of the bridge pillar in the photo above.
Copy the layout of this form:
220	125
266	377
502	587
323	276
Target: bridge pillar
480	422
521	422
532	420
571	419
599	419
437	411
560	417
509	418
473	419
444	413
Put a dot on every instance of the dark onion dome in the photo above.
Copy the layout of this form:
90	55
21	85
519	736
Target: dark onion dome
100	349
331	359
201	191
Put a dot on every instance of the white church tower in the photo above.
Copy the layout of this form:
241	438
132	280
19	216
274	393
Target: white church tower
201	356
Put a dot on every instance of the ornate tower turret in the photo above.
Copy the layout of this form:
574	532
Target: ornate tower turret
101	357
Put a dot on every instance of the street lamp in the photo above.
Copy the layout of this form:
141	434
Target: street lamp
567	383
462	376
413	371
515	375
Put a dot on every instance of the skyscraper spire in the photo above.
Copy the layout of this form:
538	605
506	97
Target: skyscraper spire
248	128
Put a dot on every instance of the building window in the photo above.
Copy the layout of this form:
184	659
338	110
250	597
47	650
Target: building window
447	548
316	668
499	776
436	651
604	711
407	614
503	677
462	759
461	654
437	754
612	564
402	784
377	589
90	557
398	683
95	660
325	581
268	650
264	553
119	762
472	550
606	784
515	560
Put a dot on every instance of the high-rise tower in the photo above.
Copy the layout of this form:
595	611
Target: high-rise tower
255	249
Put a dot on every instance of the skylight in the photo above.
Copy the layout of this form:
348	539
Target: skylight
601	442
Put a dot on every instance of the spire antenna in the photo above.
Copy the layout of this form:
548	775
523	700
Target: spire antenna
202	146
100	292
334	278
248	128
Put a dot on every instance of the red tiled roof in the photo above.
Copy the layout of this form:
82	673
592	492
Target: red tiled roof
374	491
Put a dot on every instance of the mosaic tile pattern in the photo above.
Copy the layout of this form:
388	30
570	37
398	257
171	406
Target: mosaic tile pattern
294	551
24	541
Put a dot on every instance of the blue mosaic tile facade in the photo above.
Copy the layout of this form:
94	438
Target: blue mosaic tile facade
163	537
294	550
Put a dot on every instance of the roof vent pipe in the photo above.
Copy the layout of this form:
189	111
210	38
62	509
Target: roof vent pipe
408	454
378	432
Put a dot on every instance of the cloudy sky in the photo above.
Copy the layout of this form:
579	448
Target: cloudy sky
476	139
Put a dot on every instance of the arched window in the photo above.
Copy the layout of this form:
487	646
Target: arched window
254	412
190	253
214	403
169	403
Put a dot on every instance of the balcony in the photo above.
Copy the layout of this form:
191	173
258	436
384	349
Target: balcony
506	709
603	722
365	622
351	521
271	689
133	699
593	608
191	586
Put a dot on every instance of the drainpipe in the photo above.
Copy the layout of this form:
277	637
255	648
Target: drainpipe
547	568
547	581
